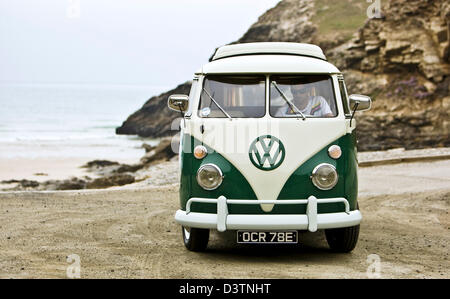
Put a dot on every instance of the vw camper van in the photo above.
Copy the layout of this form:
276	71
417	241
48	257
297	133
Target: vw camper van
268	148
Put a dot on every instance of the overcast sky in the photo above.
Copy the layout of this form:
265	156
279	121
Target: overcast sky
135	42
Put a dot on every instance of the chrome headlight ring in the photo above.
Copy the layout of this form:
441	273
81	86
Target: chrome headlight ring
209	176
324	176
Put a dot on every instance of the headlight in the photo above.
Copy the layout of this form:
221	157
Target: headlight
324	176
209	176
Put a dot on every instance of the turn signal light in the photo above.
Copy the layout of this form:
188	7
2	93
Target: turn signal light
335	151
200	152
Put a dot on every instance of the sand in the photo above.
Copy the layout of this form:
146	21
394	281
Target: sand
42	169
130	232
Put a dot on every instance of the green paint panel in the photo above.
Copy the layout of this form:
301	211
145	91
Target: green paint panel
233	186
298	186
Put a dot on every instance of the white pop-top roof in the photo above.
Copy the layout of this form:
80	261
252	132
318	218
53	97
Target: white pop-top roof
268	64
269	48
269	58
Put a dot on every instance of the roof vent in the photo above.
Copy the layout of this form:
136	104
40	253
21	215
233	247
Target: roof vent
269	48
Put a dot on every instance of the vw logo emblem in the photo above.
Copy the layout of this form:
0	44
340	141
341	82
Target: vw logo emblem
266	152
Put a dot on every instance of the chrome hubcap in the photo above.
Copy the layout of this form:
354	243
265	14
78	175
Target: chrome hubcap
187	233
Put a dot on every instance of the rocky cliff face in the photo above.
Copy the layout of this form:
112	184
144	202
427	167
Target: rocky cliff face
401	60
322	22
289	21
154	119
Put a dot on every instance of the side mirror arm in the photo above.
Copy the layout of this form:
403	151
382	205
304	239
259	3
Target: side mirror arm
353	112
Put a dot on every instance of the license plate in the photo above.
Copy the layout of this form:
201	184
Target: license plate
267	237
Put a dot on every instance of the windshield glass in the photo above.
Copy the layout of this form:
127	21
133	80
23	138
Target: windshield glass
233	96
313	95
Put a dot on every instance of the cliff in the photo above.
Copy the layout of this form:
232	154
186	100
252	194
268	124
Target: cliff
401	60
154	119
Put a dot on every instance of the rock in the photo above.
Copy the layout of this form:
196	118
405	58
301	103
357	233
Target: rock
163	151
154	119
368	64
430	86
10	181
446	103
371	48
22	183
410	54
109	181
289	21
147	147
395	47
128	168
70	184
439	30
99	163
28	183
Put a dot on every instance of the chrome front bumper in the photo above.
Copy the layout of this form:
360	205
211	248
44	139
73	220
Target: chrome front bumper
311	221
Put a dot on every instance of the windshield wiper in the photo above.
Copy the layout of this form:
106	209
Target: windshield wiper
288	101
217	104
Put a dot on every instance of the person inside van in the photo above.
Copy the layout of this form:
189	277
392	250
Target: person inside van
308	104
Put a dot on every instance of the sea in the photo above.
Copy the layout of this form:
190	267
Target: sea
70	120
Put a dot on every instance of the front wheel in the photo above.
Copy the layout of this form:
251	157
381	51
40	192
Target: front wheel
195	239
342	239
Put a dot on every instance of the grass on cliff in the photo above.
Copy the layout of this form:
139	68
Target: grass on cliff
340	18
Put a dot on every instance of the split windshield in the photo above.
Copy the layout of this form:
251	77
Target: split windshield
244	96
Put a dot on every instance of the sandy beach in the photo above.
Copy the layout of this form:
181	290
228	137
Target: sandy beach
48	168
41	169
130	232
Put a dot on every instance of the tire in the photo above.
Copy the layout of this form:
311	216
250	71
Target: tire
342	239
195	239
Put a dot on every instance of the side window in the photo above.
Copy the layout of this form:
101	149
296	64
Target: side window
344	97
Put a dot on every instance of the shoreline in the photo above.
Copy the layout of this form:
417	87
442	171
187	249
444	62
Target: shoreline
78	173
156	171
48	168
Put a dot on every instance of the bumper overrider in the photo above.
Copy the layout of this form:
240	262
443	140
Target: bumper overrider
311	221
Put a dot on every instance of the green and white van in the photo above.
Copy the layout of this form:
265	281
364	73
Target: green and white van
268	148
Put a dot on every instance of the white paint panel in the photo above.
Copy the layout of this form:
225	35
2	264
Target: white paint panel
269	64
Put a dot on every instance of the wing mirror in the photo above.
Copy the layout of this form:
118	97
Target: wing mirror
359	102
178	102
